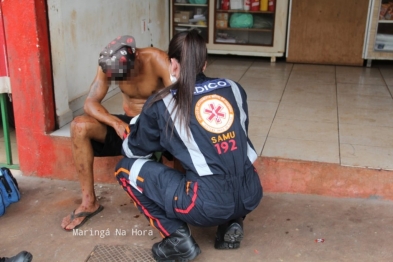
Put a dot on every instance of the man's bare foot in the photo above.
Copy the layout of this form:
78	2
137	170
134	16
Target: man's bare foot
79	216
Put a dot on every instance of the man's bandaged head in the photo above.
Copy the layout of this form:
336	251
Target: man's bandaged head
118	57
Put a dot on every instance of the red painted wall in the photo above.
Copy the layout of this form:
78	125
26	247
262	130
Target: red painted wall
26	30
3	48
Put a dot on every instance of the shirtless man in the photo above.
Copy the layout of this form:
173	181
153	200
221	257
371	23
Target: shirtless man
139	72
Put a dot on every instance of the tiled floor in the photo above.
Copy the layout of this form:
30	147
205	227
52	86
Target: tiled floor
332	114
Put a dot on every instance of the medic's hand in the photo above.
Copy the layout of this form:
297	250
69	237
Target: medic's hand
122	129
126	132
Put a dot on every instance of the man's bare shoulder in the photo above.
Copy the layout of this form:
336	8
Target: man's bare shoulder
152	54
153	61
152	51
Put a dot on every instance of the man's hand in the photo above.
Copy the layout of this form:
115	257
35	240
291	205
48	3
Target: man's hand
122	129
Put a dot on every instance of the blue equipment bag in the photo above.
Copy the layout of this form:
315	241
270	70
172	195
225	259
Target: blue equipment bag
9	191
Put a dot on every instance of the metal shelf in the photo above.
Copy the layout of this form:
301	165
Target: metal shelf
201	5
191	25
246	29
385	21
243	11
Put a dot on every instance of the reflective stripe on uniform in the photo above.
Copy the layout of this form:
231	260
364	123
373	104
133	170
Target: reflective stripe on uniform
196	155
134	172
126	149
128	152
252	155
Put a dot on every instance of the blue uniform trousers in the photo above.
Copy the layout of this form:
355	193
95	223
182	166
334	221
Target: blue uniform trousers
168	198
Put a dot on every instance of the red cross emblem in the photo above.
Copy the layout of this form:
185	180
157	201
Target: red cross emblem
214	113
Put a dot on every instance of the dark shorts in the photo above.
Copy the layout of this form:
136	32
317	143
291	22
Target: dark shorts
113	143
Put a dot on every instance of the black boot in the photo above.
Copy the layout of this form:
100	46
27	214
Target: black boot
229	235
23	256
180	246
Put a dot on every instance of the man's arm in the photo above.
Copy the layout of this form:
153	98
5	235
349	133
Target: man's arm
94	108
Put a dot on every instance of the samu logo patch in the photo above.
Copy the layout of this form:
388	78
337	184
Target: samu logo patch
214	113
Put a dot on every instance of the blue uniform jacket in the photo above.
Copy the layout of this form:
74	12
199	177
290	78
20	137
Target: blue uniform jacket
218	144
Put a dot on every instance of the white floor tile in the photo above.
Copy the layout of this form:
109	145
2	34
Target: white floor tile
258	143
317	78
311	99
366	116
256	72
308	112
233	73
304	130
311	87
264	94
365	102
262	109
377	136
360	89
259	126
307	150
367	156
314	68
267	83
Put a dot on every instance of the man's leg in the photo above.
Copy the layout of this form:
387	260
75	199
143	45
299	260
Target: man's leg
83	130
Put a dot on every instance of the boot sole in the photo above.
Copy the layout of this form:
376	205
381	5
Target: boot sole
232	238
193	253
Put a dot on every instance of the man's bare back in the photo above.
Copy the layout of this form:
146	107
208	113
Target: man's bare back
149	74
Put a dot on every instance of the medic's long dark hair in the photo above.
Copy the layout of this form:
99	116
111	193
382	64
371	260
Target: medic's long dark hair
189	49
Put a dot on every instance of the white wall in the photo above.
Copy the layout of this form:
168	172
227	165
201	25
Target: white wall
80	29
